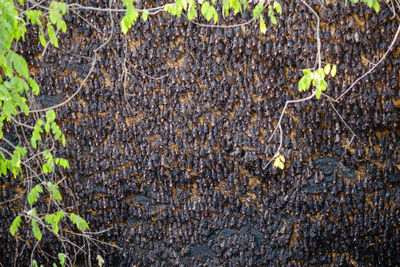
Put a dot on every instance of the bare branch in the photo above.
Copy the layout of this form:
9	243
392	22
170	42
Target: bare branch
73	95
220	26
348	127
318	59
374	66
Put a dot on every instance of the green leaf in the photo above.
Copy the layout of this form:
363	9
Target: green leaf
244	4
323	85
127	3
34	194
43	41
145	15
192	13
38	129
34	86
273	19
33	142
327	69
37	136
61	258
18	63
277	7
125	24
52	35
50	116
34	16
376	6
306	71
333	71
3	166
47	127
62	162
204	9
54	190
47	168
318	93
320	73
34	263
36	230
79	222
305	83
63	140
54	219
62	25
263	27
235	4
58	135
257	10
15	225
182	4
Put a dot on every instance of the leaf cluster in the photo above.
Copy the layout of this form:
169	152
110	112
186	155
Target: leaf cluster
317	79
279	161
55	21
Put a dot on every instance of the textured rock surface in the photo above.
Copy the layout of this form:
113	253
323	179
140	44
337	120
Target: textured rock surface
174	165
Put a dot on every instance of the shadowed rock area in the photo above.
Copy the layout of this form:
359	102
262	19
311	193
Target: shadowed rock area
167	141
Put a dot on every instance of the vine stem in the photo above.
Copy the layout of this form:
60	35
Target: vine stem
279	126
151	11
374	66
318	59
73	95
348	127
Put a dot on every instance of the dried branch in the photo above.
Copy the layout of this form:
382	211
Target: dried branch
373	67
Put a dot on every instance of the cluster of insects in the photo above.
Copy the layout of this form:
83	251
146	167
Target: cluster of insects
168	140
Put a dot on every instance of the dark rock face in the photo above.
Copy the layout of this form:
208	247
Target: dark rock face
172	157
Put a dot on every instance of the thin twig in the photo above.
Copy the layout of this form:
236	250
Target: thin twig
146	75
22	124
151	11
279	126
48	43
348	127
318	59
220	26
329	98
374	66
73	95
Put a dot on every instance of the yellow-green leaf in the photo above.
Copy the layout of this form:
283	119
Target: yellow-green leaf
327	69
145	15
36	230
263	27
333	71
277	7
15	224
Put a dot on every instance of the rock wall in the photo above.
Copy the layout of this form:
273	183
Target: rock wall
172	157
